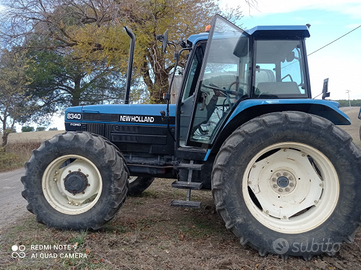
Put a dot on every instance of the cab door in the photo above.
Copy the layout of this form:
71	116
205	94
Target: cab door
222	82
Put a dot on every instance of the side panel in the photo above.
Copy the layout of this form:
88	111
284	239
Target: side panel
133	128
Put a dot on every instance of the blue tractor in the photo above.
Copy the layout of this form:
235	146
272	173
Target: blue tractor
284	177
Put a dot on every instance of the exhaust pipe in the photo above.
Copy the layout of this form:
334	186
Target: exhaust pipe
130	64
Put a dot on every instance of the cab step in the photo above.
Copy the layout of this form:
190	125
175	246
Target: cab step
187	185
186	204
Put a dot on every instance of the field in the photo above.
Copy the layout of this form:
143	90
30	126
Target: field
38	136
148	234
19	148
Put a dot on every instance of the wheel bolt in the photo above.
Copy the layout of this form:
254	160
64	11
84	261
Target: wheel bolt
69	202
278	174
275	186
56	173
79	170
87	175
88	185
291	185
77	204
280	190
55	179
274	179
287	189
285	174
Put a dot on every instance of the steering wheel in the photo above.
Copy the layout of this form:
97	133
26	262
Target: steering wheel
219	91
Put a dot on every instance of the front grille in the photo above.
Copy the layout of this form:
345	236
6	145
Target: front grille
96	128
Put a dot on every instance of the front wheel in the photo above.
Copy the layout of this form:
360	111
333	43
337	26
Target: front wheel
75	181
287	183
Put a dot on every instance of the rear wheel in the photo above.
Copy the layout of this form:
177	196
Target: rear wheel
287	183
137	184
75	181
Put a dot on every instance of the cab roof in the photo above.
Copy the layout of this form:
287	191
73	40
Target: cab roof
266	32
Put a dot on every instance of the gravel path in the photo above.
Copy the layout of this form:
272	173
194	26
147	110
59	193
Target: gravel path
13	205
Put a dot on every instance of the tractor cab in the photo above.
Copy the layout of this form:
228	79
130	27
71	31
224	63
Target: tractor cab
229	65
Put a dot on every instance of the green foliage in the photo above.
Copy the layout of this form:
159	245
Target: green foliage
345	103
15	103
40	128
54	128
60	80
27	129
80	50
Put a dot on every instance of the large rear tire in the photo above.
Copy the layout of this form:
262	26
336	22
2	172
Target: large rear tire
75	181
288	183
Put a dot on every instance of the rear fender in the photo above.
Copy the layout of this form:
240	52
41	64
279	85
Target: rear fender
249	109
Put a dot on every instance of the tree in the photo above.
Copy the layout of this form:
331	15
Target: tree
15	103
27	129
91	31
66	81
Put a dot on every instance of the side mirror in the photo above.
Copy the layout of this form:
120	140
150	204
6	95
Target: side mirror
325	92
164	39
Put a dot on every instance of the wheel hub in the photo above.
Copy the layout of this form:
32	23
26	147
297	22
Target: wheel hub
283	181
76	182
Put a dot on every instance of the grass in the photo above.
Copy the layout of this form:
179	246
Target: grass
14	155
152	235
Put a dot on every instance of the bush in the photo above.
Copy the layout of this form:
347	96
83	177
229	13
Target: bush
54	128
14	155
40	128
9	161
27	129
345	103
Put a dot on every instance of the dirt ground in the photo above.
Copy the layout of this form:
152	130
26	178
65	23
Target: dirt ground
148	234
354	128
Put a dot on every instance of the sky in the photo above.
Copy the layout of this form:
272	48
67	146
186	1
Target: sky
329	20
